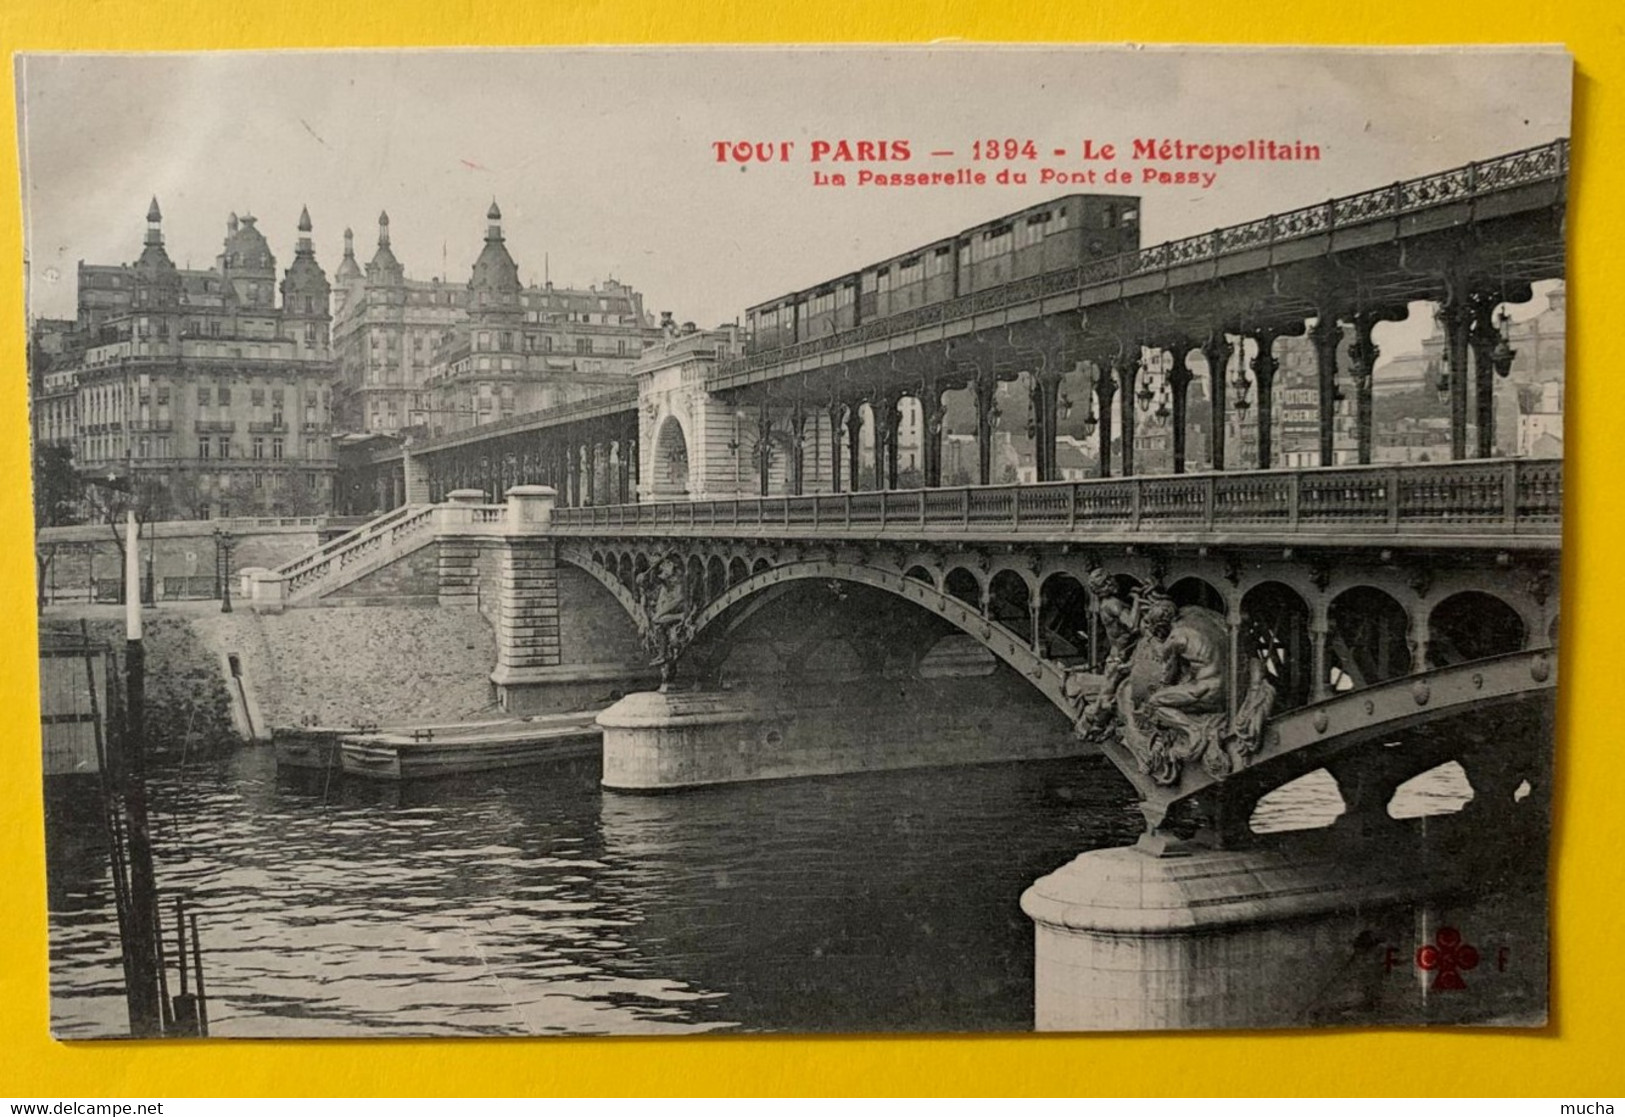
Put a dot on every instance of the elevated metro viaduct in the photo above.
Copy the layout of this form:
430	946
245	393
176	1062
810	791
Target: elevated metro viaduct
705	421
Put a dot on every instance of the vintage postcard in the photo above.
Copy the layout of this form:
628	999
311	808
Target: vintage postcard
639	541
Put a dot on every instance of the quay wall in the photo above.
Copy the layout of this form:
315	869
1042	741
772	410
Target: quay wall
380	663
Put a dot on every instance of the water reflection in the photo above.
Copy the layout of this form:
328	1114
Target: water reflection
530	902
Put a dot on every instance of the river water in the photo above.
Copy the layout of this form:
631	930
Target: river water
532	902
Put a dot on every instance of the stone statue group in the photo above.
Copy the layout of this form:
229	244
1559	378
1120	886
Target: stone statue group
1164	691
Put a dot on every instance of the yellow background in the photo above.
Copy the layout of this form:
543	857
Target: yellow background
1582	1053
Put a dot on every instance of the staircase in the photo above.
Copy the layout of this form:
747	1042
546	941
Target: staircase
354	555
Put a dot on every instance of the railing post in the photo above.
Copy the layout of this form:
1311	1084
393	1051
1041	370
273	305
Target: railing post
1292	499
849	511
964	507
1072	506
817	501
1210	501
1393	498
1509	494
922	509
1136	495
883	495
1015	508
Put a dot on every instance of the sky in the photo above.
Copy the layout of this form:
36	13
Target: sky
603	160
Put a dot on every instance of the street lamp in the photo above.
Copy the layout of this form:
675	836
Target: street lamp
1161	413
1502	355
1440	375
1145	395
224	541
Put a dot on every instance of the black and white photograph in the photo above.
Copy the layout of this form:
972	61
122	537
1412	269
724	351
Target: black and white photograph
638	541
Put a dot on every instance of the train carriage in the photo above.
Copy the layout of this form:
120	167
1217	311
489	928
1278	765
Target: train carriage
1059	234
917	278
1055	235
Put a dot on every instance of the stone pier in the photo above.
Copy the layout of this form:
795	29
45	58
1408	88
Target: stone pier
676	738
1309	931
552	658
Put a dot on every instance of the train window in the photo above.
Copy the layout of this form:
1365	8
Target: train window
1060	219
937	262
1130	216
994	242
1033	231
868	282
1108	217
843	294
884	279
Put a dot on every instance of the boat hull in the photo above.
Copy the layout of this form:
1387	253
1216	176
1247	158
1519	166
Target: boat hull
397	756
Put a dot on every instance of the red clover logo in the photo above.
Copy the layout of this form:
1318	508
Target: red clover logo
1447	957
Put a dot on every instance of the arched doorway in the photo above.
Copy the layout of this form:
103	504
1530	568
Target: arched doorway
1366	639
1472	625
671	461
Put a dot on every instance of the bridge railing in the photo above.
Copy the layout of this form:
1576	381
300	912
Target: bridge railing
1545	163
1513	496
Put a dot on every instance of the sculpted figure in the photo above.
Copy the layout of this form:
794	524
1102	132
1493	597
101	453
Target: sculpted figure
1193	652
1121	619
663	591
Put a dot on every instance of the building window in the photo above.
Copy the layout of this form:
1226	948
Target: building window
257	397
225	446
203	447
203	395
225	396
259	447
583	345
276	449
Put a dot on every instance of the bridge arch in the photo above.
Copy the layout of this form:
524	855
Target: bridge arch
1065	616
716	576
1473	624
1367	638
1198	591
1005	645
1009	602
1275	626
921	574
961	584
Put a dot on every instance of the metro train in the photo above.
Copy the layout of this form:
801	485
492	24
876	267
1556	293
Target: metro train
1061	233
